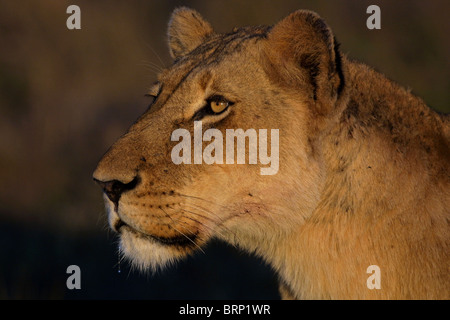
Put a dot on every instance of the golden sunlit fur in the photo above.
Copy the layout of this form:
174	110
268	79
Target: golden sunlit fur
363	165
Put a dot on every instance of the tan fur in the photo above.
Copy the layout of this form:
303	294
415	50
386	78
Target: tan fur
363	177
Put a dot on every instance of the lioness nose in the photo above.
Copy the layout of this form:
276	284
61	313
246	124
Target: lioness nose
114	188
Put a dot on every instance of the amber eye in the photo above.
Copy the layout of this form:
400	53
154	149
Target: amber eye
214	106
218	106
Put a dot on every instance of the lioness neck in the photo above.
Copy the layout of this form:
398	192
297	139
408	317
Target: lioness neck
381	159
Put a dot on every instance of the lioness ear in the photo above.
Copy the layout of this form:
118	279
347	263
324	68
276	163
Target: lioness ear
187	30
302	52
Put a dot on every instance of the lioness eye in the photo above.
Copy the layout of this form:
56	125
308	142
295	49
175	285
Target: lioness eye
215	106
218	106
153	93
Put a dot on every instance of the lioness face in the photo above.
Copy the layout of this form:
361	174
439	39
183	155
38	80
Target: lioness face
162	210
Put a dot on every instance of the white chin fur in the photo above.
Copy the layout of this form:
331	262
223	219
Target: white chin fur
145	254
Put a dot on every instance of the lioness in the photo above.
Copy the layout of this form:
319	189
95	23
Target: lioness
363	173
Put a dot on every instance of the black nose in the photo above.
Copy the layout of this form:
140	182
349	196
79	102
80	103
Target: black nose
114	188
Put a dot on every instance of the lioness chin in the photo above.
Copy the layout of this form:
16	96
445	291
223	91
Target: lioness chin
363	175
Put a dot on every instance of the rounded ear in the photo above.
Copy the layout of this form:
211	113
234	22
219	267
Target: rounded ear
303	53
187	30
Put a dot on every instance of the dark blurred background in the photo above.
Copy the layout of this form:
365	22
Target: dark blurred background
67	95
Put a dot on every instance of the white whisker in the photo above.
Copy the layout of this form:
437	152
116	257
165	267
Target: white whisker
193	242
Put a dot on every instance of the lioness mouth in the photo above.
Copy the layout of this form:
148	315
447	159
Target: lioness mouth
181	240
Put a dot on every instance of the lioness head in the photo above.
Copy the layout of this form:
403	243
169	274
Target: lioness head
287	77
